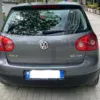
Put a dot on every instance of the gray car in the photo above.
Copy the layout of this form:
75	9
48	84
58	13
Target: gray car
48	45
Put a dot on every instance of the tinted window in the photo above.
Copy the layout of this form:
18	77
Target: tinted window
35	22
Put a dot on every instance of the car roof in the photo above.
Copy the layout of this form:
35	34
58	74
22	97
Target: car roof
49	3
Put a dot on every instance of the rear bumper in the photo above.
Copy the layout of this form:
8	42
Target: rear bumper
89	66
68	81
75	74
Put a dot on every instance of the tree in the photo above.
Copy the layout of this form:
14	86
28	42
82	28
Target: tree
32	22
99	3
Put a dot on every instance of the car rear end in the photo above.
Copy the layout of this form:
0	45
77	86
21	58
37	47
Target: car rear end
48	44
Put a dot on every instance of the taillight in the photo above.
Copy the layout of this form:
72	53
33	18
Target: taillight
6	44
87	43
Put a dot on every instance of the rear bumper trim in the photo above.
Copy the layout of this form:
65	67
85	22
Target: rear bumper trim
68	81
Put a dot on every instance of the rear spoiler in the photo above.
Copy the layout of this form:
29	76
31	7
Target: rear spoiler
46	6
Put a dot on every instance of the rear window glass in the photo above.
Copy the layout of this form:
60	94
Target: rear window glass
36	22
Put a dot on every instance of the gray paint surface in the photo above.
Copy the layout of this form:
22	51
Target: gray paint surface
79	93
28	53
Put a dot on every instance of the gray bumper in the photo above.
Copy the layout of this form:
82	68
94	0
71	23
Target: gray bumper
88	66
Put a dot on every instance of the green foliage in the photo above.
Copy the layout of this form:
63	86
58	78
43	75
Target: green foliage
98	8
31	22
58	0
74	0
88	3
93	6
50	21
4	17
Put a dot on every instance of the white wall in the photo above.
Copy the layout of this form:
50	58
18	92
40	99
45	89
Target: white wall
7	7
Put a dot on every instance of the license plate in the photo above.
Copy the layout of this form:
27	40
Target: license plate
44	74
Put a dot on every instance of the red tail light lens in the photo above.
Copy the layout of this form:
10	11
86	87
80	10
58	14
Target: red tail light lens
87	43
1	44
6	44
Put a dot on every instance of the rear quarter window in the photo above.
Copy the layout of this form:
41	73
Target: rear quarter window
35	22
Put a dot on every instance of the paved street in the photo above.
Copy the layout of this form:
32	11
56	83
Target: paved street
79	93
95	22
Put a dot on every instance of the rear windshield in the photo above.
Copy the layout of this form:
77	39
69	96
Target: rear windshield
37	22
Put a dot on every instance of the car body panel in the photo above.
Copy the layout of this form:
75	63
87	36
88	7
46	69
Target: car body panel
61	50
60	53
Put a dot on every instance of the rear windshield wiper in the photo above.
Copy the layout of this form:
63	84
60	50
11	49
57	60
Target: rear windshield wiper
54	31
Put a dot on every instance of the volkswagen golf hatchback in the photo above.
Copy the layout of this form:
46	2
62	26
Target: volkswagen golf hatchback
48	44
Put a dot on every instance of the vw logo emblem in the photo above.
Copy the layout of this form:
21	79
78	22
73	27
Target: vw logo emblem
43	44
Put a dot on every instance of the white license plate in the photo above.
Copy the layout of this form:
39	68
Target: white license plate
44	74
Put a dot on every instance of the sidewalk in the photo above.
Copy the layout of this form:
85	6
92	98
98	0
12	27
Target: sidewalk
92	14
95	22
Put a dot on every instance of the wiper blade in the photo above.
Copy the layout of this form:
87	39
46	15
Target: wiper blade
52	31
56	31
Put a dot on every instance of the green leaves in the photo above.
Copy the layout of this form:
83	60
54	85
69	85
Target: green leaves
30	22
